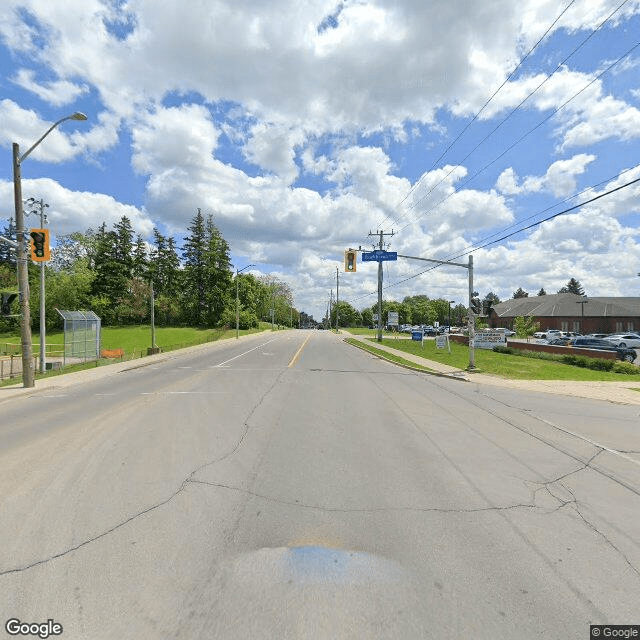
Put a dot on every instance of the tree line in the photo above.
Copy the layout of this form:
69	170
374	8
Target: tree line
113	272
419	309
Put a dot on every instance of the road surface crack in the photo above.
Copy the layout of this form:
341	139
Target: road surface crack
304	505
575	505
135	516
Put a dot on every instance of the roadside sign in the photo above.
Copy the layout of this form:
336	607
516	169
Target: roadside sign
490	339
392	318
418	335
379	255
442	342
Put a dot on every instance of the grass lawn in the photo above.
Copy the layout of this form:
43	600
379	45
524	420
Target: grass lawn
130	339
498	364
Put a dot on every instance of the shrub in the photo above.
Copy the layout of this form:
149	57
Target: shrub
626	367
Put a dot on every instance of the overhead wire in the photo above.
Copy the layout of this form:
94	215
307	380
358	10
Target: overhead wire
481	244
509	115
528	133
484	106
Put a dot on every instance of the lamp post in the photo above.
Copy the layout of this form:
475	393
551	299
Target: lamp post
238	272
21	253
450	303
43	343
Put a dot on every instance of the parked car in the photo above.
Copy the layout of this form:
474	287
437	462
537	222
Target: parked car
598	335
624	339
560	342
624	353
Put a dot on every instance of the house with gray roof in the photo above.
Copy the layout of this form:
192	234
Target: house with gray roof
571	312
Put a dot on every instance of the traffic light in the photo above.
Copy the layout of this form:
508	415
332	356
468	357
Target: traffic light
476	306
7	299
40	245
350	260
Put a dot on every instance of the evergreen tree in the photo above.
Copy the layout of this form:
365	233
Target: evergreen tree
194	291
542	292
217	269
573	286
140	266
520	293
7	254
113	265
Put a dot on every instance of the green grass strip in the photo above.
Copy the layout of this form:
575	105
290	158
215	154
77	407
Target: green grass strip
385	355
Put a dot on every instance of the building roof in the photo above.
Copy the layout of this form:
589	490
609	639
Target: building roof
567	305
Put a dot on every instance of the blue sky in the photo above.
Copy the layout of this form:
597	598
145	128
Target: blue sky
303	126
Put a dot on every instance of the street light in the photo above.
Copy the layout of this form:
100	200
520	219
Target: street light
21	257
450	303
238	272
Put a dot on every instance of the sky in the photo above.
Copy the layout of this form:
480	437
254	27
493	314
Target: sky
305	128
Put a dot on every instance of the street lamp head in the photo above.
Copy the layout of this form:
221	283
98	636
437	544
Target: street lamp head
78	115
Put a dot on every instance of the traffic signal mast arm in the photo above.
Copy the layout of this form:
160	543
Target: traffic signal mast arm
471	323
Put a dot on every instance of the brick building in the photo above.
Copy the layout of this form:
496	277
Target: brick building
570	312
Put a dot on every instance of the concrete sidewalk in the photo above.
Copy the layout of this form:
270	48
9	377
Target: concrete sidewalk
619	392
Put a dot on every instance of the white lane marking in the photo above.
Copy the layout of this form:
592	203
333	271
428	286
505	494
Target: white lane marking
593	442
220	364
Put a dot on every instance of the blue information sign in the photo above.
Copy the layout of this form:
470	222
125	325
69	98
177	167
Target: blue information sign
379	255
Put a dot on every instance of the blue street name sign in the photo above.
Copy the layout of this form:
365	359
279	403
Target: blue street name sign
379	255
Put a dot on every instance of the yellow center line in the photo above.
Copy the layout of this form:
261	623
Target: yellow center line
298	352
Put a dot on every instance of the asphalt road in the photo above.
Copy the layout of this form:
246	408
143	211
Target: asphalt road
293	486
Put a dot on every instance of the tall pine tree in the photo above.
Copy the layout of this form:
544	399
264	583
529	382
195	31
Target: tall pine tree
194	291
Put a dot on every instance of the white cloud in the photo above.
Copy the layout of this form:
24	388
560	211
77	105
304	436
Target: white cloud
26	127
560	178
273	148
299	103
77	210
57	93
167	138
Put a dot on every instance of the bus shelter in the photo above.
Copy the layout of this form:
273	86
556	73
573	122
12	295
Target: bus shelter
81	336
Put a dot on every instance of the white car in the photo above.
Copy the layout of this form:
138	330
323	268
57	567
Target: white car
624	339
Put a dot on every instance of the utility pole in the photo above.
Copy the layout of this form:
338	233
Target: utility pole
337	296
330	309
472	319
381	247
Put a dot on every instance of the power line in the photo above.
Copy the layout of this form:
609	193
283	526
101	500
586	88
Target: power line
484	106
509	235
511	113
521	138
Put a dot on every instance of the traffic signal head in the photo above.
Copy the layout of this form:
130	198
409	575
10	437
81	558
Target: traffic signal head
7	299
350	260
40	251
476	306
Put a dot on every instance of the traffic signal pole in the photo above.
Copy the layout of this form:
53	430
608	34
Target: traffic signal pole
471	322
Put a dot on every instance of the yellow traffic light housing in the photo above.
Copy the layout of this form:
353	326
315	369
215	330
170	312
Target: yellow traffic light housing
40	251
350	260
